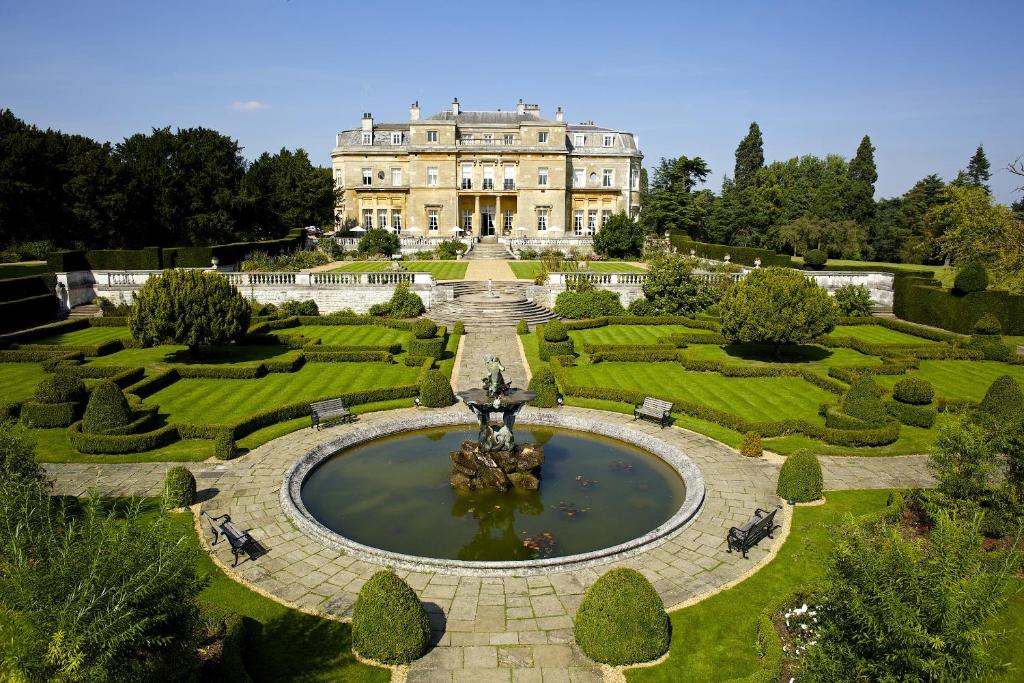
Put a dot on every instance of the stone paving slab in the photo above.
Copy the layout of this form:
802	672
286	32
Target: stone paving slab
489	269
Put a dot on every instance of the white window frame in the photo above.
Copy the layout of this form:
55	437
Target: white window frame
367	176
607	177
579	139
510	140
431	136
432	176
508	217
339	178
382	218
608	141
579	177
367	138
488	176
634	179
542	176
467	220
466	176
397	138
432	220
509	173
591	221
396	219
367	219
542	137
542	219
396	176
606	215
577	222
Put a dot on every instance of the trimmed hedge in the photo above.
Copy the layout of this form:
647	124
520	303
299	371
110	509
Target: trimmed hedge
543	383
971	278
47	415
990	346
815	259
389	623
622	620
60	387
548	350
800	478
427	347
179	487
120	444
751	446
614	348
1004	400
639	355
591	304
681	339
27	312
913	390
424	329
522	327
459	328
107	410
862	402
988	324
913	415
436	390
349	356
224	446
555	331
922	300
744	255
591	323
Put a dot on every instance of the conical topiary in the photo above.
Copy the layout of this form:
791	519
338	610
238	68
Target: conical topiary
107	409
436	390
863	402
800	478
389	623
543	382
1004	400
622	620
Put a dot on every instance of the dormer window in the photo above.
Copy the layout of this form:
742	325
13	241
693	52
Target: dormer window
578	139
397	138
542	137
608	140
431	136
367	138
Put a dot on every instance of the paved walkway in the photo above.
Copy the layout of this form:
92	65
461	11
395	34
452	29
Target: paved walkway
485	628
498	341
482	270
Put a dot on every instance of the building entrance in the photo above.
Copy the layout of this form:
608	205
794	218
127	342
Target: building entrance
487	227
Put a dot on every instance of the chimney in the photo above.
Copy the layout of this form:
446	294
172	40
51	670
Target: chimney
520	107
414	111
455	106
559	116
368	122
532	109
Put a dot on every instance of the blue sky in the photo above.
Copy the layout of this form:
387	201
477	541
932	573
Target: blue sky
928	81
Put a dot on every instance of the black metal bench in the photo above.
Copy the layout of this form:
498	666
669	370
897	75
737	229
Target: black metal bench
323	413
746	537
654	409
241	541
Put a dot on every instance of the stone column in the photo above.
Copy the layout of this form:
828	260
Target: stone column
477	222
499	223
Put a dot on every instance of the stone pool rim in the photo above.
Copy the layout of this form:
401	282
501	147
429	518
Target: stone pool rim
684	467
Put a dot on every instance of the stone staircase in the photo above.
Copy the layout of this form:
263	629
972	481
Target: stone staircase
505	306
85	311
485	250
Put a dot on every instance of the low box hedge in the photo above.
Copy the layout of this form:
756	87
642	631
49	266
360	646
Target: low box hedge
110	321
349	357
221	371
913	415
48	415
745	255
547	349
613	348
427	347
154	383
681	339
635	356
120	444
922	300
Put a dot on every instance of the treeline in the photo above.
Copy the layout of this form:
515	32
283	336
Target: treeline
826	203
165	188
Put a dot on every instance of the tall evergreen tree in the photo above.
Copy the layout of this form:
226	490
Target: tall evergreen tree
860	194
978	173
749	157
671	202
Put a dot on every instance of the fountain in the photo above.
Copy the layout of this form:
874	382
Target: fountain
494	460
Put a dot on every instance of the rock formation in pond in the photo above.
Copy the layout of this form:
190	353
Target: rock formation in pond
474	468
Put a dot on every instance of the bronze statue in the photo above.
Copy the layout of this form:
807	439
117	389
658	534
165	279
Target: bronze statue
494	382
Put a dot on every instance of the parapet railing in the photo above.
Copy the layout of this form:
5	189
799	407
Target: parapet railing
136	278
632	278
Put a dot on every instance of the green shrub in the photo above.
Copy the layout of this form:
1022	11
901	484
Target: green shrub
914	391
620	237
642	307
48	415
910	414
389	623
555	331
179	487
971	278
378	241
853	301
591	304
459	328
990	346
427	347
800	478
751	447
522	327
988	324
224	446
1004	401
547	350
60	387
436	390
815	259
106	410
672	288
543	382
622	620
402	304
424	329
863	402
294	307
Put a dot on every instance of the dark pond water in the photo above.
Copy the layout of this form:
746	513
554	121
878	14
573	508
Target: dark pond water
394	494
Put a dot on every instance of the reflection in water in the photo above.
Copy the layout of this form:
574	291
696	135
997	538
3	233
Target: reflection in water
393	494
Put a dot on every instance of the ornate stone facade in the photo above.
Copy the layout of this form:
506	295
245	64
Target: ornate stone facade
488	173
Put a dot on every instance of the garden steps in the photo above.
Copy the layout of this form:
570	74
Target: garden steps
483	250
85	311
478	311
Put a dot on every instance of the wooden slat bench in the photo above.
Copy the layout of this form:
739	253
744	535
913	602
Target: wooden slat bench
746	537
241	542
323	413
654	409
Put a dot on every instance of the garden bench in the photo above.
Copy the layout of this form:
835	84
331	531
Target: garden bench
745	537
241	541
654	409
327	412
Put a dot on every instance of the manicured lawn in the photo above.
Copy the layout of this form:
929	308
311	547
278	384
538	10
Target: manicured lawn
808	355
218	401
87	335
351	335
18	380
157	356
627	334
959	379
52	446
755	398
912	441
441	270
876	334
23	269
527	270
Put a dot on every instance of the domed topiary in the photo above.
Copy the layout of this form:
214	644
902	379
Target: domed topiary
1003	401
60	387
971	278
555	331
424	329
436	390
751	447
862	401
800	478
459	329
622	620
224	446
389	623
988	324
815	258
107	409
913	390
179	488
522	327
543	382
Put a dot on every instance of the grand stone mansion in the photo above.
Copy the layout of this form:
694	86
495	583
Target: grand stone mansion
487	174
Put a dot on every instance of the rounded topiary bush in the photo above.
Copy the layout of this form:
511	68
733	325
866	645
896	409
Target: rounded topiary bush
389	623
1004	399
107	409
971	278
815	258
863	402
543	382
522	327
751	446
988	324
622	620
424	329
459	329
913	390
224	446
60	387
800	479
555	331
436	390
179	487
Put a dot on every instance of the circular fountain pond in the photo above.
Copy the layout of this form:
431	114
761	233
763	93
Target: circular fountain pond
390	498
